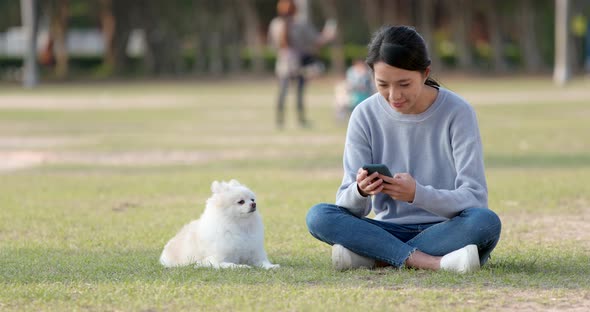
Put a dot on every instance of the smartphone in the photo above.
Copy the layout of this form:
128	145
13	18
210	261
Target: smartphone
381	168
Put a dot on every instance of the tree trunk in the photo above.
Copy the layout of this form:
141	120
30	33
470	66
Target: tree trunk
562	67
427	30
494	29
587	46
161	25
121	13
215	53
107	23
200	65
338	61
389	12
404	11
30	28
201	39
231	36
201	20
528	37
59	19
208	17
461	15
154	37
253	41
372	10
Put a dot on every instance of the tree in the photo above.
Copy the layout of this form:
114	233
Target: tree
162	24
231	29
562	67
372	10
426	28
528	36
460	16
58	33
381	12
30	28
491	11
329	8
251	33
123	13
107	25
209	22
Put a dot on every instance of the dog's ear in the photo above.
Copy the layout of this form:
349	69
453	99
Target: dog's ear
234	182
216	187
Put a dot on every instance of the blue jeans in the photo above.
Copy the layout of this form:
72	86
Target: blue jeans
393	243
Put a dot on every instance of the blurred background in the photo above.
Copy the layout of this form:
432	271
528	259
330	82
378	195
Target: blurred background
102	39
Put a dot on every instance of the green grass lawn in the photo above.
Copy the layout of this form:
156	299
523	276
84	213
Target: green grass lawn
97	178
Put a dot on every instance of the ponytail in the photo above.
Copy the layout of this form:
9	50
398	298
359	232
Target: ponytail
432	83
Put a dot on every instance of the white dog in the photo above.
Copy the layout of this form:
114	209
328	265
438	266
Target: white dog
229	233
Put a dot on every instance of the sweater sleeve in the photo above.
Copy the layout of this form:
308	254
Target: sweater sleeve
357	152
470	183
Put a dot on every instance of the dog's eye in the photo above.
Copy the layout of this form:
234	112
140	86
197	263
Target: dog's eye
241	202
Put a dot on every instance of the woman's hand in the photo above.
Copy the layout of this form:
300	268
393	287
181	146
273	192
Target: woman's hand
368	184
401	187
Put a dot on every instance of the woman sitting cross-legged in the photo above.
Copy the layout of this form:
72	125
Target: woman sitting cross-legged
432	213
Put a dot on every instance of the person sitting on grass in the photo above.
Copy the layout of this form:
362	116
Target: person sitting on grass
433	212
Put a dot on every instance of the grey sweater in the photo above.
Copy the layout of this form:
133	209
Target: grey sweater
441	148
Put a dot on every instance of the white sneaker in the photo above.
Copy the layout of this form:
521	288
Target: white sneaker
462	260
344	259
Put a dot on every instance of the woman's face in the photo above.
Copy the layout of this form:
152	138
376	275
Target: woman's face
403	89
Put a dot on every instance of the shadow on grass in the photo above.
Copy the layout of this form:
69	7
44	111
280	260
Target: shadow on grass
530	270
537	161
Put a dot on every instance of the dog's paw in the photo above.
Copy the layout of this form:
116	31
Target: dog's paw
270	266
241	266
227	265
221	265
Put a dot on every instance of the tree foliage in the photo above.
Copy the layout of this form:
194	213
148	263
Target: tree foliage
185	37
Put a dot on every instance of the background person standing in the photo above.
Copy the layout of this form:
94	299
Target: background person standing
296	42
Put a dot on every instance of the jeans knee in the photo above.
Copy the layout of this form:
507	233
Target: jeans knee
486	219
316	217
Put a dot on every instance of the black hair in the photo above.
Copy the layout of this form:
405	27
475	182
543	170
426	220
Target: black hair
401	47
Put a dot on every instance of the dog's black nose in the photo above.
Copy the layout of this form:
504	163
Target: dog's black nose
253	205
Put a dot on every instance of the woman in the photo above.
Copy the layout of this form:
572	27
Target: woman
432	214
296	42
